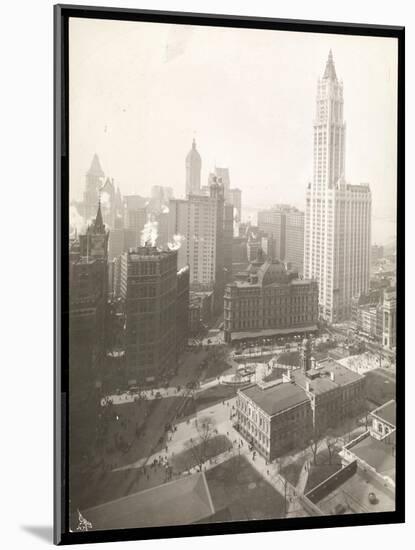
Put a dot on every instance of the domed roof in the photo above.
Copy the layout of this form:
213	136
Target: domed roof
193	154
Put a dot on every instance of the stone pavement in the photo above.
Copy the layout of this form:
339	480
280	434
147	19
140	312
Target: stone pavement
157	393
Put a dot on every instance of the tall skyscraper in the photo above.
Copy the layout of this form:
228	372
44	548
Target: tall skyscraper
338	215
193	170
203	226
156	299
205	238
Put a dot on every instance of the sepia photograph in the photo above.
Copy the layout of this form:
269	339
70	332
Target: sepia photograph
231	236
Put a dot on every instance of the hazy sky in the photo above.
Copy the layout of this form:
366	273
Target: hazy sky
140	92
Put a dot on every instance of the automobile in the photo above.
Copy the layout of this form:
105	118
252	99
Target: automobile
158	395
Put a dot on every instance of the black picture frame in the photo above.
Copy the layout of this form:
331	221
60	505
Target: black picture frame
62	534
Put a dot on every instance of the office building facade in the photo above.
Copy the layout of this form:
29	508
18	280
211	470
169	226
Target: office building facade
338	215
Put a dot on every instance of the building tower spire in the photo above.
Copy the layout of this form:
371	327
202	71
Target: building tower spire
193	170
330	71
99	226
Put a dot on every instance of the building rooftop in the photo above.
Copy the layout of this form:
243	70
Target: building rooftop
263	333
352	496
151	252
377	454
330	376
277	398
179	502
387	412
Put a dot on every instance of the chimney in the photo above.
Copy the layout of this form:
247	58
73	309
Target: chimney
307	385
332	376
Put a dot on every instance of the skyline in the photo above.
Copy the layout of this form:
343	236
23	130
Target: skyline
279	117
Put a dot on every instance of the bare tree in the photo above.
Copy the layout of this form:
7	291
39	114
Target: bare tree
199	445
331	444
314	444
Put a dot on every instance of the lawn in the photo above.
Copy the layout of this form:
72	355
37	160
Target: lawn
322	469
216	367
214	395
189	369
189	458
291	470
239	493
138	432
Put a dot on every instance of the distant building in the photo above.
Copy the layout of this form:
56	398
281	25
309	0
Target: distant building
155	296
204	226
369	320
93	182
294	240
338	215
235	198
182	309
272	222
283	415
162	194
285	225
121	240
239	250
88	291
232	195
253	247
193	171
203	301
195	316
111	204
227	240
178	223
135	215
377	253
374	314
269	301
222	174
389	319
